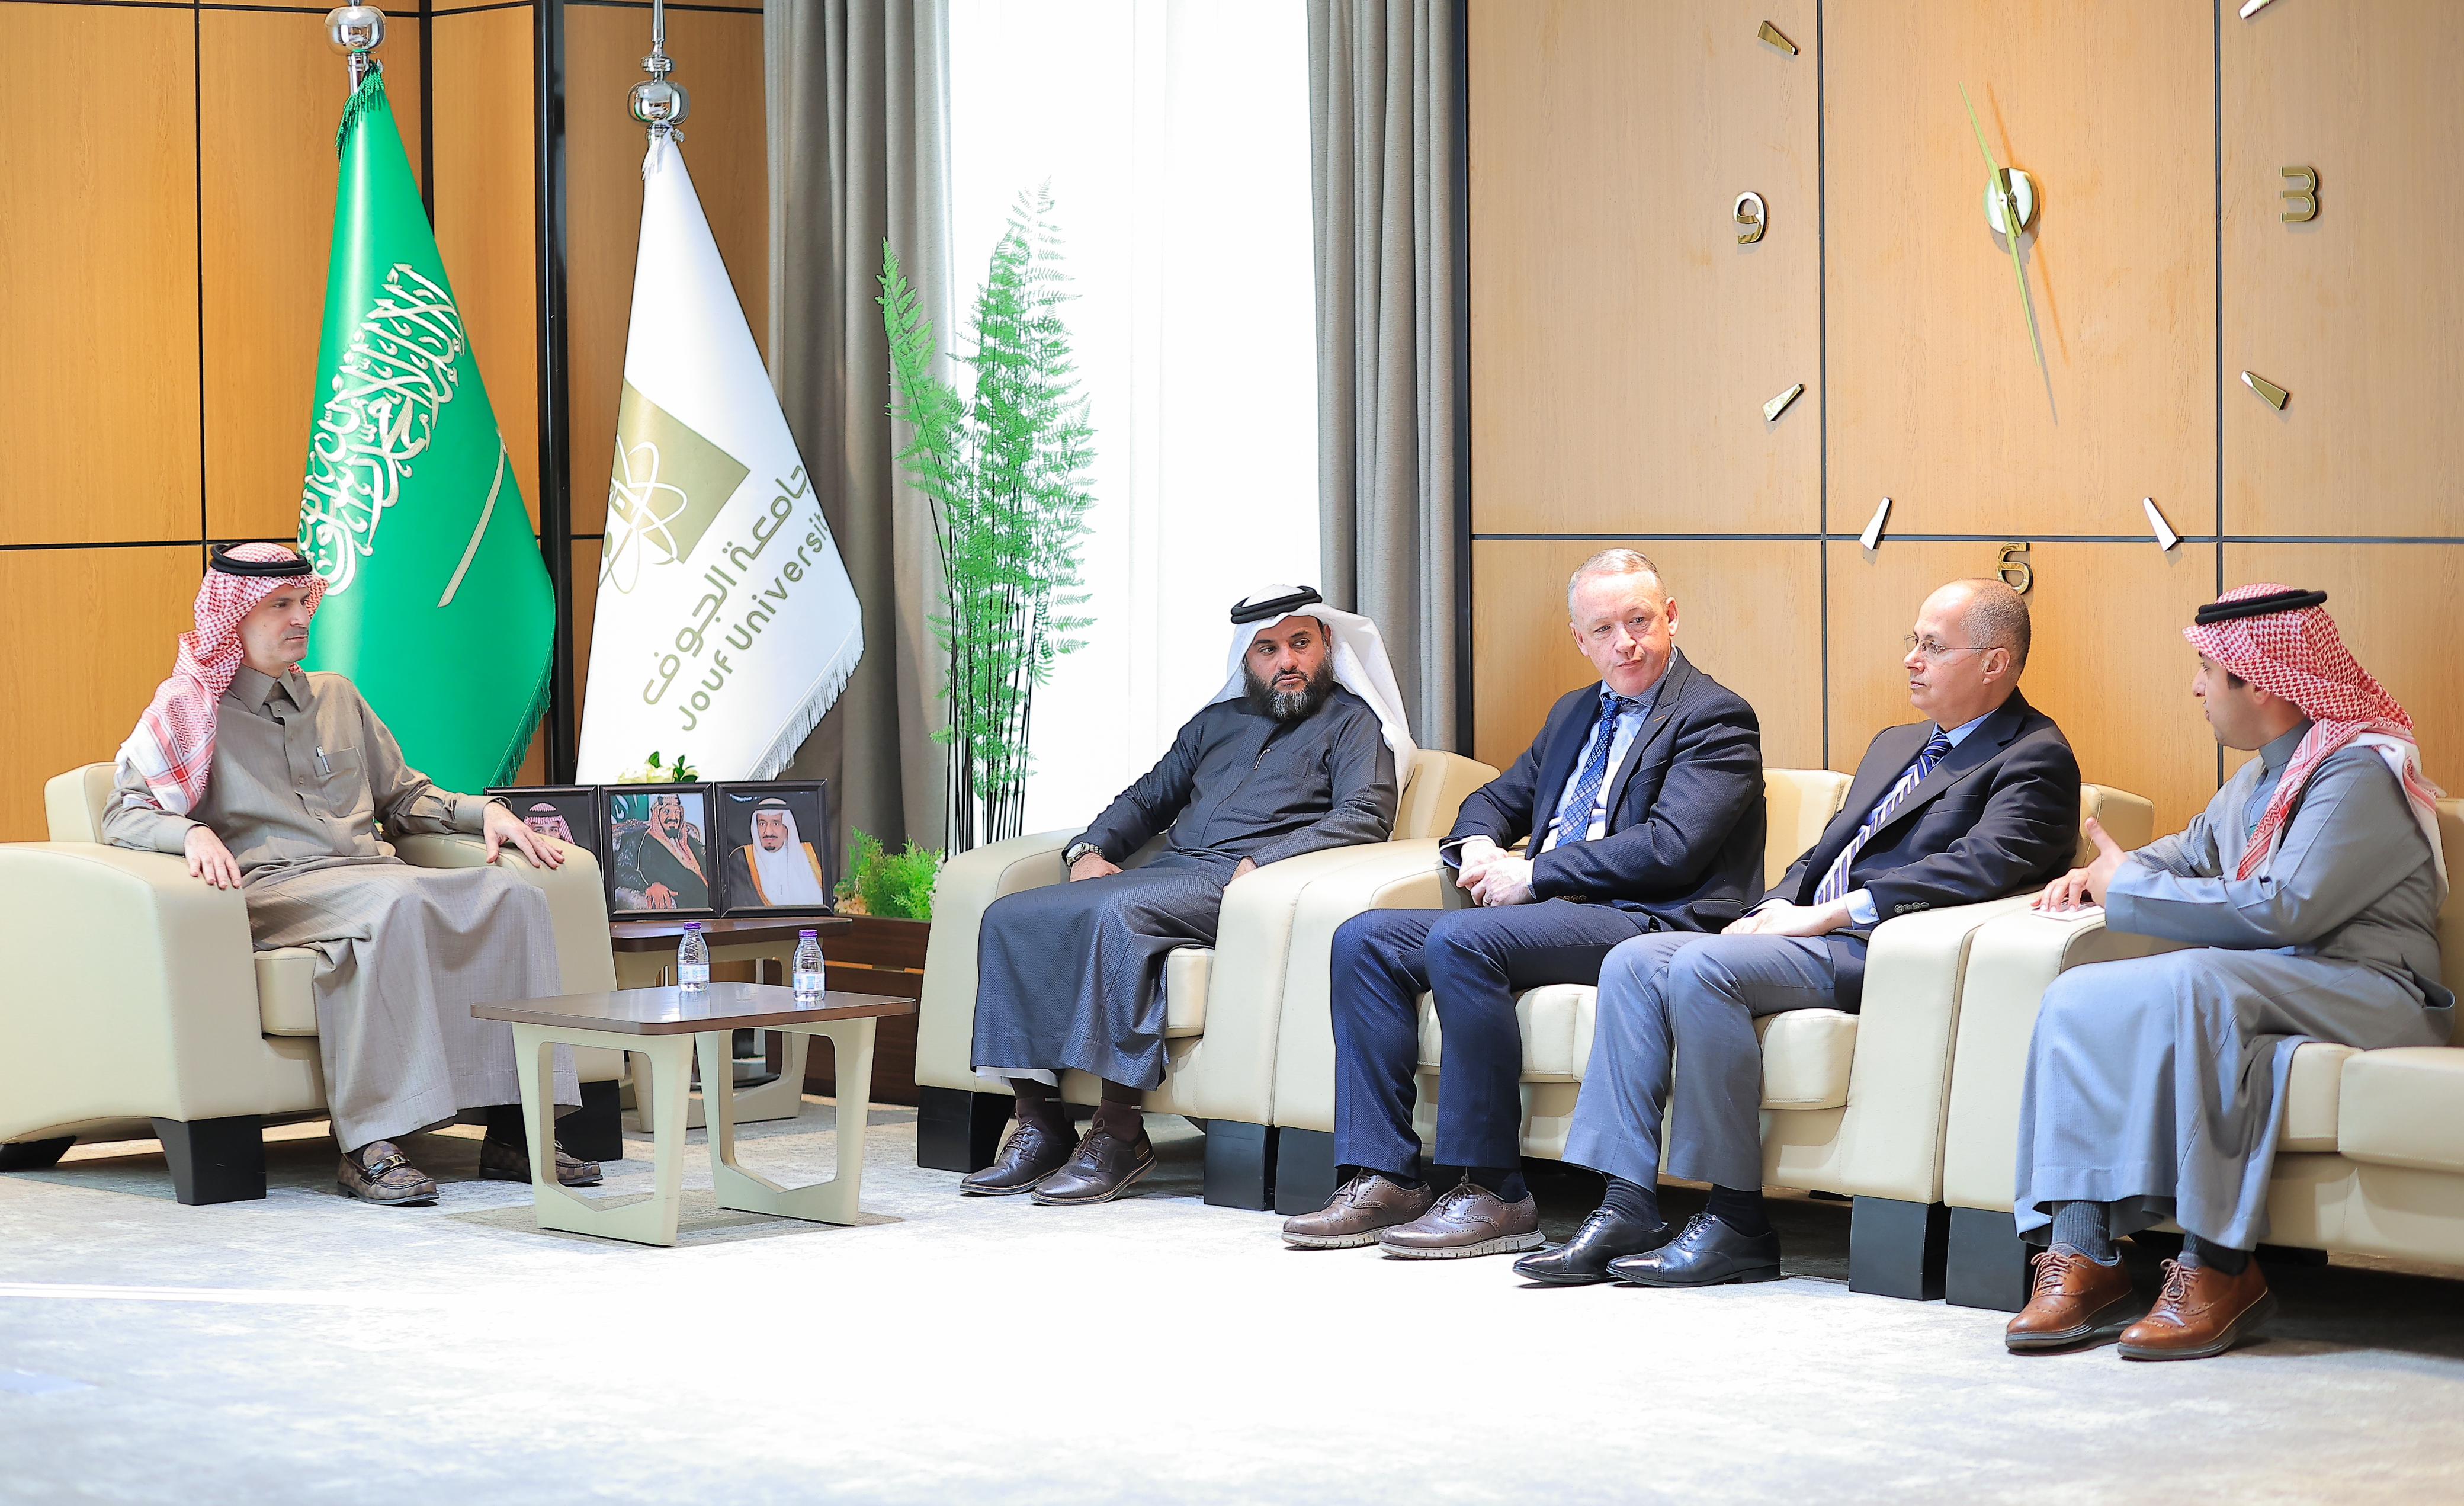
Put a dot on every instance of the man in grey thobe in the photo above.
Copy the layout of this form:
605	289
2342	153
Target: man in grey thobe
1286	760
275	782
2307	894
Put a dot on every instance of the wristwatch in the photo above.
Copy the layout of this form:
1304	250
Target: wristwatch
1075	850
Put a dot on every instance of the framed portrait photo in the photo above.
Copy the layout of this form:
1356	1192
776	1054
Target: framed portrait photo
659	850
773	847
566	812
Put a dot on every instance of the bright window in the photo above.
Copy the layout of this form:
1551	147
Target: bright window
1176	137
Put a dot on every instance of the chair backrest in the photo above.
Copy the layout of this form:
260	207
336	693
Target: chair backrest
1434	792
2125	817
1797	803
73	802
2451	915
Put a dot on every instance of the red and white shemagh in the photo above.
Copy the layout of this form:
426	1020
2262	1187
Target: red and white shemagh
2300	656
173	747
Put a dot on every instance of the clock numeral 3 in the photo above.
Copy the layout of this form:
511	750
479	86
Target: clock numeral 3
2301	200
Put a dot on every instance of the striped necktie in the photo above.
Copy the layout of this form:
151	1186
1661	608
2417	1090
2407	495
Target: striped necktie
1834	883
1574	813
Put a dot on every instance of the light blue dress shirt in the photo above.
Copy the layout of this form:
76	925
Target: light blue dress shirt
1629	728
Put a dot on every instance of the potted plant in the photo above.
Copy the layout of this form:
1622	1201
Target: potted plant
887	898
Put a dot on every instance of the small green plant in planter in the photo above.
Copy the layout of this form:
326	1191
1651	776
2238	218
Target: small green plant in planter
897	886
653	772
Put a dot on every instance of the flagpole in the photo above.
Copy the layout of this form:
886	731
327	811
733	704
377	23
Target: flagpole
657	103
356	30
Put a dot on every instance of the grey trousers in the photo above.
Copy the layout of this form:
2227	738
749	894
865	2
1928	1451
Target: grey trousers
1689	1003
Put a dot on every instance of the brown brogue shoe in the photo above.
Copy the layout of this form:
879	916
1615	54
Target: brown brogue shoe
1359	1210
1468	1220
2074	1299
1110	1161
2200	1312
1036	1149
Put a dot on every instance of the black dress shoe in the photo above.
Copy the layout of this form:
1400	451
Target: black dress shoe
1105	1166
1707	1253
1035	1150
1583	1260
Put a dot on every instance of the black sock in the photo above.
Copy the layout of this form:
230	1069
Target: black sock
1122	1092
1741	1209
505	1124
1506	1181
2085	1227
2197	1251
1401	1179
1634	1201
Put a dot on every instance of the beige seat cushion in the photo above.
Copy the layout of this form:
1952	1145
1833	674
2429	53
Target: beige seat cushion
2404	1108
1806	1053
1186	972
2311	1095
286	1005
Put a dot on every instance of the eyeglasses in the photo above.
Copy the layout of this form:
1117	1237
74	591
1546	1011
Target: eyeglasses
1936	650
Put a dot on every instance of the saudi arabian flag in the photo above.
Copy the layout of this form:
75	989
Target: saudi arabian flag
436	603
727	623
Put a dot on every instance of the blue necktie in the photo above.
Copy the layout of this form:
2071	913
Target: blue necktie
1834	883
1574	813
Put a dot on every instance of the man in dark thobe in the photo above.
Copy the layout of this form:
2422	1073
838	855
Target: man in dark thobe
1298	753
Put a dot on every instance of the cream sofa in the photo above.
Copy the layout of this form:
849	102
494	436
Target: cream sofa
1852	1103
138	1006
2371	1153
1223	1004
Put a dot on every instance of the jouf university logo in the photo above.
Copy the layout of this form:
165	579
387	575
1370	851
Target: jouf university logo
666	489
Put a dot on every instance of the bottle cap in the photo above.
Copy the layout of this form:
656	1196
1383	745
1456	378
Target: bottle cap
813	933
692	925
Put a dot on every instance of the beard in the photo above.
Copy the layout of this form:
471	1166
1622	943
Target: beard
1289	705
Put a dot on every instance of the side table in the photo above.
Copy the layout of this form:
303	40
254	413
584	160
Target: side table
646	953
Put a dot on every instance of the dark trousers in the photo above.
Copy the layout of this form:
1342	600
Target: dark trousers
1476	962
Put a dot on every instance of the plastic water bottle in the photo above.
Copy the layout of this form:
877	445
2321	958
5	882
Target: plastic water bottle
692	959
809	984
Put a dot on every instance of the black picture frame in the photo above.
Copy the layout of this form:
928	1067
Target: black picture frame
808	804
585	824
625	813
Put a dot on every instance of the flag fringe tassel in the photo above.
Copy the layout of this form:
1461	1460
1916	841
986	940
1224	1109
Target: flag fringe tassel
371	95
824	695
511	767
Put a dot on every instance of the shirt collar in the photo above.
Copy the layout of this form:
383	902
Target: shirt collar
2279	753
1642	703
253	689
1959	734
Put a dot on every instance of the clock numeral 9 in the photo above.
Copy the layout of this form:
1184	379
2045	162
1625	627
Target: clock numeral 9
2303	198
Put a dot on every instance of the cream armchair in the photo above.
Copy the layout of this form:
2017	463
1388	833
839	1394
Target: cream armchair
1852	1103
140	1007
1223	1004
2370	1157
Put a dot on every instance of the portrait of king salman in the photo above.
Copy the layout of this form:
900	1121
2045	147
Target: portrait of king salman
661	855
765	834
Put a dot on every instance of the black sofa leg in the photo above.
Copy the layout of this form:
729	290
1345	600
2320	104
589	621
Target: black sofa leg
34	1154
1239	1165
215	1160
1896	1249
1304	1170
1988	1262
596	1130
957	1130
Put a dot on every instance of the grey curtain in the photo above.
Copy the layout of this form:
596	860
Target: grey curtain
858	153
1381	132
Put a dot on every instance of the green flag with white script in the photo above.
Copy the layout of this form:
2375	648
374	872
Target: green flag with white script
437	605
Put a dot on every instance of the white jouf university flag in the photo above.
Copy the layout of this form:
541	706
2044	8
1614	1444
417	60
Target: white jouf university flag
726	623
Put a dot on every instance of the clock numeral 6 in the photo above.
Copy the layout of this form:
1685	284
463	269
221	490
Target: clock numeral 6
2303	198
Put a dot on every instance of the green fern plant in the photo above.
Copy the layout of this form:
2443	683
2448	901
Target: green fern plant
1007	475
898	885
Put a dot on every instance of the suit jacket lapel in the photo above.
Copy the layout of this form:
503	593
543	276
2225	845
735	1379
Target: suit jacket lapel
1647	743
1979	748
1565	744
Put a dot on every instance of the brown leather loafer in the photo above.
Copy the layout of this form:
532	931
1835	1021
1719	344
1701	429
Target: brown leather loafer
2200	1312
1468	1220
502	1161
1035	1150
1359	1210
2074	1299
379	1172
1107	1163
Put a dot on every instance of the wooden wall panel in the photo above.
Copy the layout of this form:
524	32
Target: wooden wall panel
2357	310
99	667
268	226
1747	613
2107	621
2394	604
1622	342
1935	400
727	148
487	220
98	414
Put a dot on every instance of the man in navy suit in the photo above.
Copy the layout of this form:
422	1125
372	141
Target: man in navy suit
1980	800
1643	801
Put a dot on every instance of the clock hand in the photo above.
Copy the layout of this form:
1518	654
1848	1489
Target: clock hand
2010	197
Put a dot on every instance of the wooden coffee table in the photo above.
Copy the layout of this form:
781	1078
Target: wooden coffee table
664	1027
645	955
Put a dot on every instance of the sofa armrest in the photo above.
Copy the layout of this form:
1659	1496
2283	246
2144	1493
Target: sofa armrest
945	1019
576	900
2011	963
1395	875
132	995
